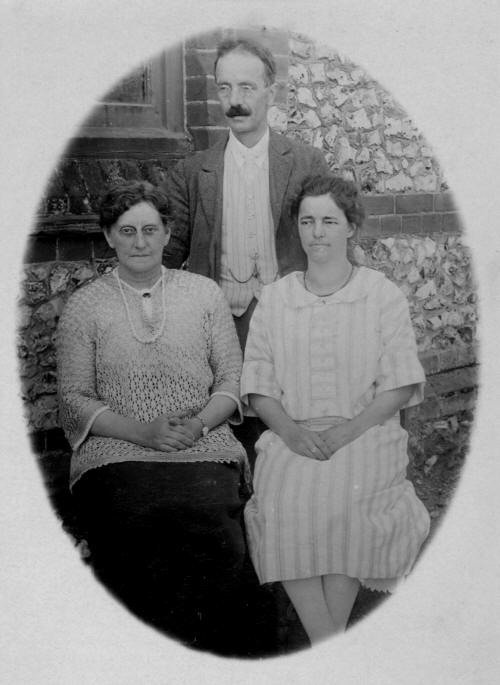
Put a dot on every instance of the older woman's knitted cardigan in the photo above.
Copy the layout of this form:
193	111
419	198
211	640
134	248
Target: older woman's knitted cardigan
102	365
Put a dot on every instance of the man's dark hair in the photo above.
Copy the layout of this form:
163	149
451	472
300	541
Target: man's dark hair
252	47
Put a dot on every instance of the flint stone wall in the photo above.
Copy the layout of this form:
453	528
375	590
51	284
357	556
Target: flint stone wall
338	107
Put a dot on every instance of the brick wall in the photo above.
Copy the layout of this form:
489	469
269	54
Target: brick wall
411	213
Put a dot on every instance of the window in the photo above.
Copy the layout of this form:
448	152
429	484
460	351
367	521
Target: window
146	104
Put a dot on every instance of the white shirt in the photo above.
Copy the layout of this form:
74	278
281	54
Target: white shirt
248	255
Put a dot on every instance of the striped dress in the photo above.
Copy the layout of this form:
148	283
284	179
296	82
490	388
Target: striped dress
325	359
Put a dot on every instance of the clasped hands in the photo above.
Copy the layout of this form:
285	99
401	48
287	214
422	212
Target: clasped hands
169	433
320	445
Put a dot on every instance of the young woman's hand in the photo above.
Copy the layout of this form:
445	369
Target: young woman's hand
383	407
305	442
337	436
300	440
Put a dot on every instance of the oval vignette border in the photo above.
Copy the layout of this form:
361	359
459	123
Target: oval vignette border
61	564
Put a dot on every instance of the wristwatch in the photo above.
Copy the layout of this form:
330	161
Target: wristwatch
204	427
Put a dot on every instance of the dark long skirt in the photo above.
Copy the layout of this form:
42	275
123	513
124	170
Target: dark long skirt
167	540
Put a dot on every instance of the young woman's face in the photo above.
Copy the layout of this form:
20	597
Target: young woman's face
323	228
138	237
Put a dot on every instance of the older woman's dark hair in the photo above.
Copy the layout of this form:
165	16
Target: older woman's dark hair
252	47
120	197
344	193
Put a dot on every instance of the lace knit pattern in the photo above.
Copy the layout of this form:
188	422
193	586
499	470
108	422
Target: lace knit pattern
101	365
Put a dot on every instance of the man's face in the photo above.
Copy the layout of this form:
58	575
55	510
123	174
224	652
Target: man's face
244	95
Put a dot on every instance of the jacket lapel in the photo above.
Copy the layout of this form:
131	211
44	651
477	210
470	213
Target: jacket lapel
280	167
211	179
210	184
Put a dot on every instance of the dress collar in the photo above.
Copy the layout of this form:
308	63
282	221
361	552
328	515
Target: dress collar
141	291
360	285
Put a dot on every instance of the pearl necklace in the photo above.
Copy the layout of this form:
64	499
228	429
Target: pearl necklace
155	337
333	291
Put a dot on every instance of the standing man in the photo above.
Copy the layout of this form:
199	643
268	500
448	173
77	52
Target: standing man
230	201
230	205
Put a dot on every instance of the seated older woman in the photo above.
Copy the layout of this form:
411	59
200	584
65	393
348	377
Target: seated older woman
149	367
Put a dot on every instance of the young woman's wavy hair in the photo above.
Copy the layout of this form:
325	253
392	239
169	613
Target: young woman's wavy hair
121	196
343	192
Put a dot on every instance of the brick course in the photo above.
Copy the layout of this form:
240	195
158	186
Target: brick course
200	88
413	203
452	222
204	114
444	202
205	41
204	137
371	227
432	223
199	63
390	223
411	223
379	204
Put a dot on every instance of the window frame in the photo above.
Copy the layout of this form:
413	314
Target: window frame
161	122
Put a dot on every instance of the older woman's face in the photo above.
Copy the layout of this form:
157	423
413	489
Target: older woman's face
323	228
138	237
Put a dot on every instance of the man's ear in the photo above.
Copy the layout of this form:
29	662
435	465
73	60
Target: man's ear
273	90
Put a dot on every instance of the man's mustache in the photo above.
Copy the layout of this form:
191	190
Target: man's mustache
237	111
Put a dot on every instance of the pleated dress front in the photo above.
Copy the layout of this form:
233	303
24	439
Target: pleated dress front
325	359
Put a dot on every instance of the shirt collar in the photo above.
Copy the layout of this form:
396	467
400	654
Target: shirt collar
259	153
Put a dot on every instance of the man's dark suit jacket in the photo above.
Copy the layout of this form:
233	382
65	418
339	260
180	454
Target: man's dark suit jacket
194	189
